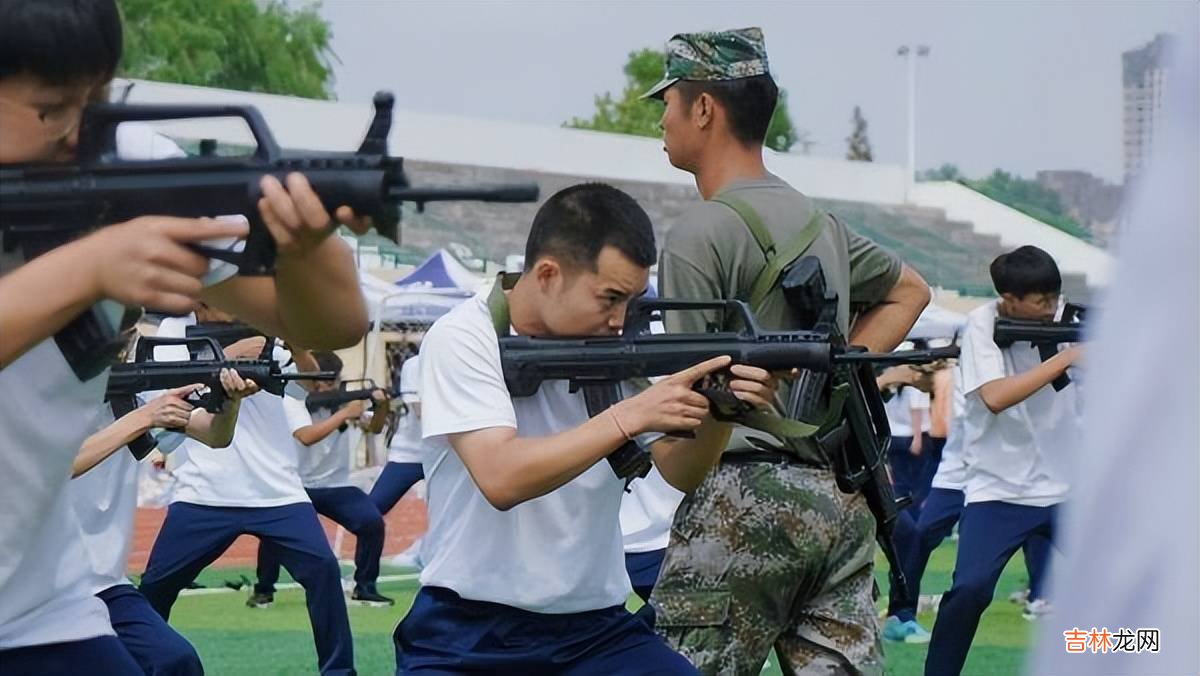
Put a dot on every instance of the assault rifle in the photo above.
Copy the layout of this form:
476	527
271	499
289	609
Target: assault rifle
598	365
45	205
332	401
637	353
1044	335
144	374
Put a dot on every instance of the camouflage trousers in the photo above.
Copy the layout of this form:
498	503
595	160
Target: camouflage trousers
766	554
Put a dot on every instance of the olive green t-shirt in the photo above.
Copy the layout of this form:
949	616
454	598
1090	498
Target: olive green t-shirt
711	254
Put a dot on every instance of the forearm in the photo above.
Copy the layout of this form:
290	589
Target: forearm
319	300
41	297
98	447
685	462
520	469
214	430
1003	393
885	326
313	302
315	432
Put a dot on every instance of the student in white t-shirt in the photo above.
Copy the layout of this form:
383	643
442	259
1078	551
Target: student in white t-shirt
908	419
252	487
323	449
104	498
1018	438
61	312
525	573
407	449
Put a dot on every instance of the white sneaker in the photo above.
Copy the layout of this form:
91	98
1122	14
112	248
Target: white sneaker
1038	609
929	603
1021	596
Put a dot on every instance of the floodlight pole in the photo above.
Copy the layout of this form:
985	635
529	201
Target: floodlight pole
910	55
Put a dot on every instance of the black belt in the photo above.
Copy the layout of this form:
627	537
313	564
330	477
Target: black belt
736	457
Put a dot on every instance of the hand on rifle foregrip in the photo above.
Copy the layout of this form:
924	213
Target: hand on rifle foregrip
296	218
236	387
738	390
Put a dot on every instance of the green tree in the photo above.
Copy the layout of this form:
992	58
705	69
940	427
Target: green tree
946	172
858	146
631	114
1030	198
233	44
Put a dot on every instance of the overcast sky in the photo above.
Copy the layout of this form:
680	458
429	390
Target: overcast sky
1018	85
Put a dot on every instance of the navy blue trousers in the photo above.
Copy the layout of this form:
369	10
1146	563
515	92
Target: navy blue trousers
906	471
393	482
350	508
446	634
158	648
990	534
101	655
193	536
939	514
643	570
931	457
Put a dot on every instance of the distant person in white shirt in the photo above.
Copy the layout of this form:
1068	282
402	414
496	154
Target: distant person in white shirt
526	570
252	487
406	450
1019	436
324	454
104	497
908	419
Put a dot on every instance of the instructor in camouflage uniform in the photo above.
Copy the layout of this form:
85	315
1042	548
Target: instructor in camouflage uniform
767	552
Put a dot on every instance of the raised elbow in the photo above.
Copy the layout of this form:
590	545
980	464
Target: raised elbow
341	335
501	500
915	290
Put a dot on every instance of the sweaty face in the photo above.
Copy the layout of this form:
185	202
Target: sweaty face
1039	306
39	122
592	303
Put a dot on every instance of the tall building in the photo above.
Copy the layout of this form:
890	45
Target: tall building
1143	77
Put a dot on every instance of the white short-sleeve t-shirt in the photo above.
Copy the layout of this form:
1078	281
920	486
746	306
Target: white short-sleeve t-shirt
647	511
105	500
952	470
45	415
325	464
1020	455
259	468
407	444
559	553
900	410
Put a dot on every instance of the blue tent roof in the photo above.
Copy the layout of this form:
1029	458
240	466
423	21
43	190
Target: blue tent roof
441	271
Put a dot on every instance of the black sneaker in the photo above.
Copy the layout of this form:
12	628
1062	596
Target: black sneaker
370	597
260	600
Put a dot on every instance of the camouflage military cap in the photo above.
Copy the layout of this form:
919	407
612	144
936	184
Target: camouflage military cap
713	56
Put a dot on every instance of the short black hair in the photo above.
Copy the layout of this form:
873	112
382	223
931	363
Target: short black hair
577	222
328	361
1024	271
749	103
60	41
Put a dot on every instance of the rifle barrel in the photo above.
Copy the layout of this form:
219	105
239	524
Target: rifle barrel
505	192
900	357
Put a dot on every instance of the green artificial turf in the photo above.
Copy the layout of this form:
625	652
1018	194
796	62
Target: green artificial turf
233	639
